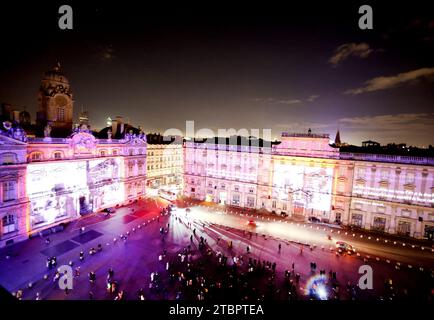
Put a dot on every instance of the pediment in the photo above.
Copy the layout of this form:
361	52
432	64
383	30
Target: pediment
4	140
136	142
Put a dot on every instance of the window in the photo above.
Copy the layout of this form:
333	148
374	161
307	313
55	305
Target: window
357	220
342	171
60	114
9	191
409	178
57	155
404	228
103	153
140	151
251	190
237	188
341	187
8	223
379	224
36	156
384	175
8	158
273	204
250	202
115	152
236	199
131	152
360	173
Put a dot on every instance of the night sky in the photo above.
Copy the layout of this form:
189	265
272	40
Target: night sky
262	65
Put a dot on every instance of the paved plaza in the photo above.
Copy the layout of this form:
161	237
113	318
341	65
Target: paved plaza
222	255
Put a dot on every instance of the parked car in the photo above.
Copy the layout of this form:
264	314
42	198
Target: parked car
344	247
283	214
314	219
252	223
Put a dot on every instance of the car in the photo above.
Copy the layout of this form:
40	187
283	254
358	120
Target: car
110	210
284	214
344	247
252	223
314	219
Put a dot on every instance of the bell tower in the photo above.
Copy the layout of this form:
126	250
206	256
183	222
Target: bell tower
55	103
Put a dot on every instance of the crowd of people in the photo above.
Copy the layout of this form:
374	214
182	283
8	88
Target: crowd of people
200	271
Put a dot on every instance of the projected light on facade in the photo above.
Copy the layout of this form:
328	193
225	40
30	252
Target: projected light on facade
305	186
68	189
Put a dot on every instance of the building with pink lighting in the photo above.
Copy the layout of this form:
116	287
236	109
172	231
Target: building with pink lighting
50	181
303	176
62	173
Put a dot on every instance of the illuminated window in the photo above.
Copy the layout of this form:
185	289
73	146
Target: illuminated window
236	199
9	192
57	155
360	173
357	220
103	153
8	224
409	178
404	228
60	114
379	224
8	158
384	175
36	156
250	202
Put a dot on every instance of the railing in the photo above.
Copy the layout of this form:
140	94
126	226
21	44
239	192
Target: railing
67	140
306	135
386	158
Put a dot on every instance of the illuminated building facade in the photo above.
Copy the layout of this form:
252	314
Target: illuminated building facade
165	165
303	176
48	181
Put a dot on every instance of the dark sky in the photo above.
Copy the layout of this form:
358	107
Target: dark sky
252	66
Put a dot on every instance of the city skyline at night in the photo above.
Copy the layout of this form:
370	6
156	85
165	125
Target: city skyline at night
287	70
224	160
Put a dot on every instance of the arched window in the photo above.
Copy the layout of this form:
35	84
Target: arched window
115	152
103	153
8	158
57	155
36	156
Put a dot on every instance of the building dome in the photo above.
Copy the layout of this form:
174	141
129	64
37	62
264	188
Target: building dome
56	75
54	81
